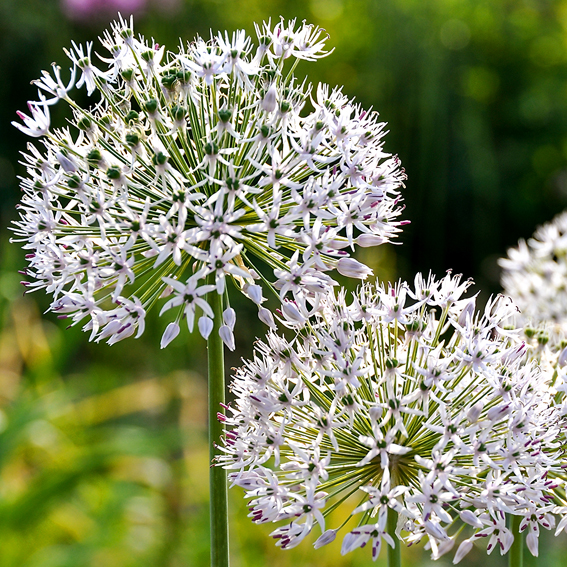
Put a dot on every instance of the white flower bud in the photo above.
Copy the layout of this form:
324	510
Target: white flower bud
67	164
227	336
532	543
205	326
444	547
338	244
471	518
468	312
474	413
269	100
369	240
498	412
265	315
254	292
375	413
350	542
434	529
352	268
292	313
171	331
326	538
562	357
505	540
464	548
229	317
168	290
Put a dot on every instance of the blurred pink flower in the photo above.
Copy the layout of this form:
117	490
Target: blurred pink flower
81	9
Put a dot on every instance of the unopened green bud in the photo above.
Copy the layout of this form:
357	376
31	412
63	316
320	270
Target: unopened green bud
211	149
391	363
232	184
168	81
183	76
127	33
74	182
159	158
178	196
132	139
84	123
178	113
413	326
542	338
131	117
265	130
127	74
106	120
94	157
113	172
224	115
150	106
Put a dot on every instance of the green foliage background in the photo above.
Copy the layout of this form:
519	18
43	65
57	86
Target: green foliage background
103	458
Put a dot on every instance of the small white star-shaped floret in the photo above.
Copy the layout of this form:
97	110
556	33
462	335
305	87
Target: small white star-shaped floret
189	295
432	497
381	445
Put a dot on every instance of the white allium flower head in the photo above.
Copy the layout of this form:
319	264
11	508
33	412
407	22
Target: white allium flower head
194	169
534	275
405	400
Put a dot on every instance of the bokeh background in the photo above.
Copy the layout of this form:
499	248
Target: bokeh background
103	454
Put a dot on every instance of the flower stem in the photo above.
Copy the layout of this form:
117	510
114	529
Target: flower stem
394	553
516	553
217	477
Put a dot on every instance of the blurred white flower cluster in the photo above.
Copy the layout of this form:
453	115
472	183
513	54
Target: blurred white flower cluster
534	275
404	401
196	167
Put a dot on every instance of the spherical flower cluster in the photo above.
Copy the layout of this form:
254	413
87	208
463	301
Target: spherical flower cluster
405	401
194	168
534	275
